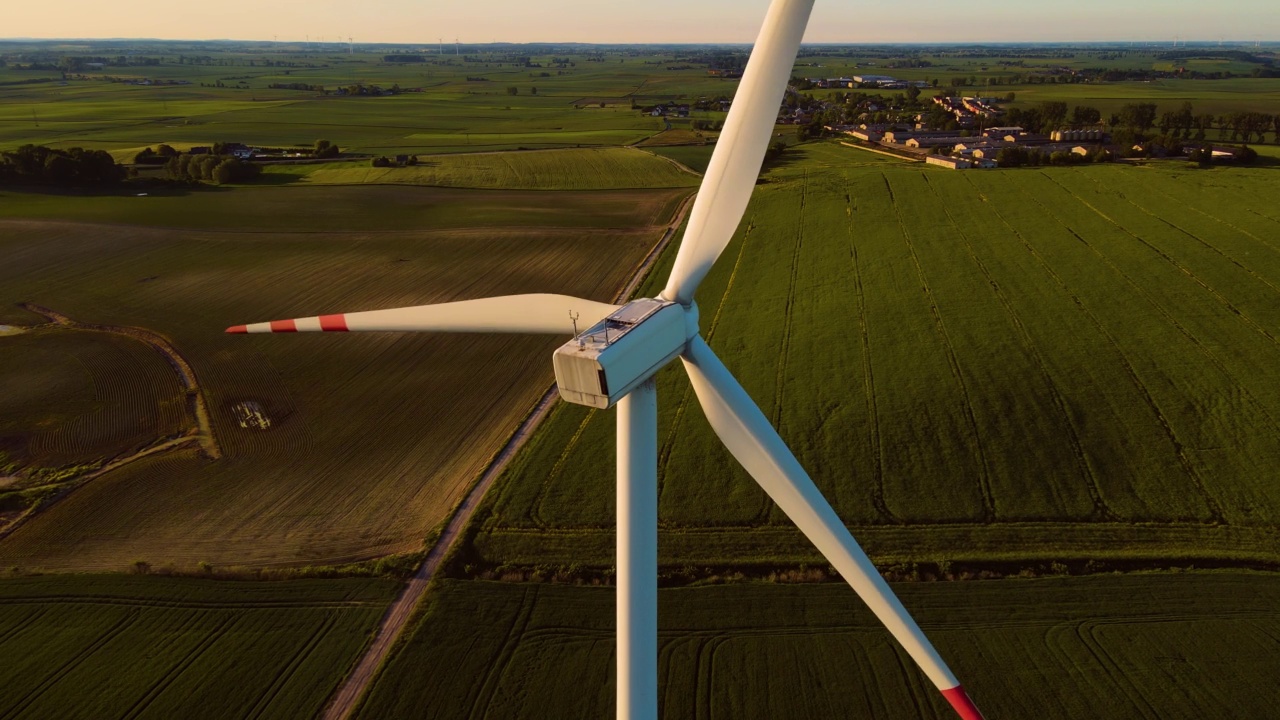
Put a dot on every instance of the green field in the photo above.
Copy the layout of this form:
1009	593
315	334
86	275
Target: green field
597	169
85	646
1191	645
1043	358
446	112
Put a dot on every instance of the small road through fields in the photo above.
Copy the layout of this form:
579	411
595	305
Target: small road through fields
393	623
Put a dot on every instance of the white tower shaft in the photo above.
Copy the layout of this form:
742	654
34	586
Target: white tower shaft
637	596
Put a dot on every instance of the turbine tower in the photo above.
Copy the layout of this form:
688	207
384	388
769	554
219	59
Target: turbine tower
613	363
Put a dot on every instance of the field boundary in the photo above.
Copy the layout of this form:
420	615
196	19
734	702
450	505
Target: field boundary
393	623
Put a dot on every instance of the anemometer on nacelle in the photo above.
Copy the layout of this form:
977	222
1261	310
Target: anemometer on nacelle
612	357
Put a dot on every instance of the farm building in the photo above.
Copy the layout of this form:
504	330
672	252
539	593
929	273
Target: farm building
1003	131
902	136
951	163
928	142
968	145
1094	134
867	135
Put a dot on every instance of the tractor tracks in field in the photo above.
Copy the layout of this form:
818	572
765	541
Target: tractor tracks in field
169	678
1184	460
1204	350
1172	261
105	638
1198	211
668	444
1102	511
393	623
784	351
1201	241
984	479
868	372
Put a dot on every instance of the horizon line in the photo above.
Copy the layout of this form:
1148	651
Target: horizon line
846	43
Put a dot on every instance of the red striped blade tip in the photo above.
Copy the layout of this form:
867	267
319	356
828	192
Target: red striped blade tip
333	323
238	329
959	700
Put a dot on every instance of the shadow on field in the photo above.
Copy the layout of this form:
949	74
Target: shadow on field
126	190
274	179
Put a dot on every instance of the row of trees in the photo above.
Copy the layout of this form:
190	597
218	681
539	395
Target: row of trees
39	165
217	169
1138	119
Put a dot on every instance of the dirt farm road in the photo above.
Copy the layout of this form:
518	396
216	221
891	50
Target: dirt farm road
397	617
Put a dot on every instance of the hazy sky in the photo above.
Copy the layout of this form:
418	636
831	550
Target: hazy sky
640	21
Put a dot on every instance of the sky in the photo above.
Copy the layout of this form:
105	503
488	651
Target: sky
647	21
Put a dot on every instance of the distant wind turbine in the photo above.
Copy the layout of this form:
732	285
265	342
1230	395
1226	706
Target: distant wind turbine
614	361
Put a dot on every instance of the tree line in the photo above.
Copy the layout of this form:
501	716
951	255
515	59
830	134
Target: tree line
39	165
216	169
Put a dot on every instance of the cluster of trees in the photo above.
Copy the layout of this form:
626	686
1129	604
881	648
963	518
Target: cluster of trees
775	151
385	162
39	165
366	90
217	169
159	156
324	149
296	86
1049	116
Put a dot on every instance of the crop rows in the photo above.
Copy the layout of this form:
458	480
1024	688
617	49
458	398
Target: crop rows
112	394
1143	646
85	646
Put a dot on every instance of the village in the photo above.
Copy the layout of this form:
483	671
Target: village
959	132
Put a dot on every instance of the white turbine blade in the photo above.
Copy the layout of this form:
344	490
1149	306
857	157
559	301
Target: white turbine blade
735	164
753	441
546	314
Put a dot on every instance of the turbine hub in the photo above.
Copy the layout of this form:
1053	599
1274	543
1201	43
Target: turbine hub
691	328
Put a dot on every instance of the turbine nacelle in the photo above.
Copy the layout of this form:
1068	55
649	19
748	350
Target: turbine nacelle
608	360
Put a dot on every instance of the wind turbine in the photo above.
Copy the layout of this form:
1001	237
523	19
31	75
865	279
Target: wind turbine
613	363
